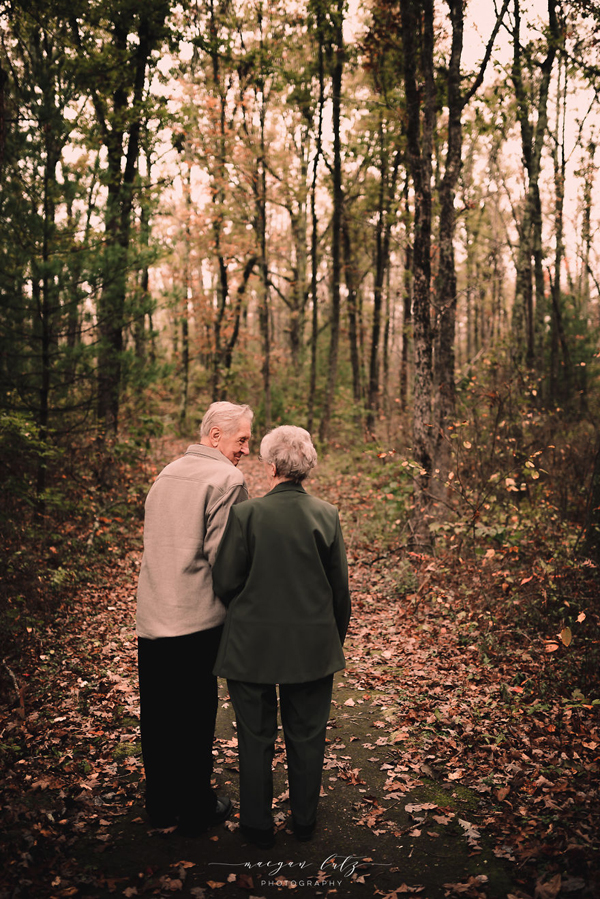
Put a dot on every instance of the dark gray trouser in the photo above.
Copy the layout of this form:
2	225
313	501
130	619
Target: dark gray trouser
304	715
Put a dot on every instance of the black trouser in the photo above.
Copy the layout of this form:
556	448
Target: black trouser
304	714
178	702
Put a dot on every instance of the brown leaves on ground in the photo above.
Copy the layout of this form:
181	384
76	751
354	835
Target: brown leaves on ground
467	699
462	696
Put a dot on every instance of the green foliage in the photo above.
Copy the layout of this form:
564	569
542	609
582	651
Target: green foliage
22	451
55	540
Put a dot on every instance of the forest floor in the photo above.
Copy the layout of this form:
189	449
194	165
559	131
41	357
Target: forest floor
447	773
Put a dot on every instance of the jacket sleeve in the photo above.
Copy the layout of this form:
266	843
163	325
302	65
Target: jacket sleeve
217	517
231	566
337	574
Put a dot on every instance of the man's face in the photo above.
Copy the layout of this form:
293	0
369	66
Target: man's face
234	445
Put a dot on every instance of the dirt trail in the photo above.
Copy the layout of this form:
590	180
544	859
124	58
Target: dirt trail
365	845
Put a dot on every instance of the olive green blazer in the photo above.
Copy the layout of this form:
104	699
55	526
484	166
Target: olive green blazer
281	570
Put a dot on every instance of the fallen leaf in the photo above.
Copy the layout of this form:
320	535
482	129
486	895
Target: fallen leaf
566	636
548	889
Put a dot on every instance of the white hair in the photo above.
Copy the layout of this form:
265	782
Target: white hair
291	450
226	416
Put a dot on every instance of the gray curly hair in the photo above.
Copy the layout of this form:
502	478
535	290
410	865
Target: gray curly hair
291	451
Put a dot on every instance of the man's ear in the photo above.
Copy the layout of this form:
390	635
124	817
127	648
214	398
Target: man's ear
215	436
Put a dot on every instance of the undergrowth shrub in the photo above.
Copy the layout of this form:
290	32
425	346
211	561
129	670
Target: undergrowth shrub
55	540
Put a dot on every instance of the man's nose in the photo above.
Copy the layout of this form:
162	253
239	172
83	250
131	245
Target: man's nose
245	449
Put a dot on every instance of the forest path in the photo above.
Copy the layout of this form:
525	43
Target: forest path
395	820
377	832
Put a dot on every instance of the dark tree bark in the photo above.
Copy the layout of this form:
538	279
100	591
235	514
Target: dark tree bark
407	311
261	229
337	52
533	124
351	281
444	393
561	375
586	231
417	43
314	239
297	298
387	197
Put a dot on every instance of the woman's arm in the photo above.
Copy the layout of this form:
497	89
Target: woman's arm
230	569
337	574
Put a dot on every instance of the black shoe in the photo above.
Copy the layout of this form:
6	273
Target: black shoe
222	811
304	832
263	838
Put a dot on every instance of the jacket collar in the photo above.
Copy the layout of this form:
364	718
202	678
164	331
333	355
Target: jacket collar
198	449
287	486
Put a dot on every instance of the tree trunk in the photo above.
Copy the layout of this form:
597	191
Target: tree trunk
532	143
350	279
387	193
407	312
336	267
299	290
46	287
314	239
446	296
418	38
586	234
261	212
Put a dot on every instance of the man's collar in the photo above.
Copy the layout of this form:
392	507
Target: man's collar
199	449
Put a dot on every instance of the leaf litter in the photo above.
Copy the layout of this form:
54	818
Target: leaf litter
448	712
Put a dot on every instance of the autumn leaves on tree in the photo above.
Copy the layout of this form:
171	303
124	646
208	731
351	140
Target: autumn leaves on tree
331	212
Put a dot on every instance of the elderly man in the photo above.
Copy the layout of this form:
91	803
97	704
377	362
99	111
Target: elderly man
180	621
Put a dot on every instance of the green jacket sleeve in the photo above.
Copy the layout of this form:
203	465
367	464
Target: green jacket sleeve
337	575
230	569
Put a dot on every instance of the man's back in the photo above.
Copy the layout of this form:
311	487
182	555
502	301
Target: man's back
186	512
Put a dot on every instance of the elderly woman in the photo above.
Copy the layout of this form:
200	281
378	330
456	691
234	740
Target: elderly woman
281	569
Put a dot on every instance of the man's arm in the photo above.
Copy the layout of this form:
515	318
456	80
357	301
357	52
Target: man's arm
217	519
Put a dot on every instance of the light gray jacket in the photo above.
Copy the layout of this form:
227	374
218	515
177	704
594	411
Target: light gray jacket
186	513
